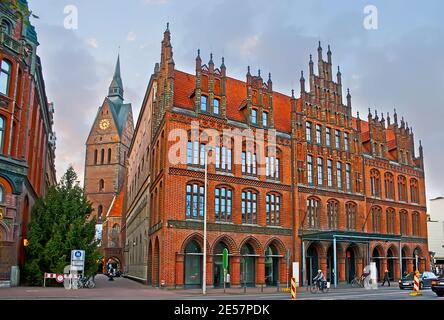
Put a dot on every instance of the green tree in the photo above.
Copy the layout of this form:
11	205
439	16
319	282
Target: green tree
58	225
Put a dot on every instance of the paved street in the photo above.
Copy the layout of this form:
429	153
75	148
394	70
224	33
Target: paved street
125	289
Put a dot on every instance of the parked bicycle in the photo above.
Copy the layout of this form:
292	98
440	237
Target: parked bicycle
83	282
357	282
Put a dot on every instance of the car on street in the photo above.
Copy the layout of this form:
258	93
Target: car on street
425	280
438	286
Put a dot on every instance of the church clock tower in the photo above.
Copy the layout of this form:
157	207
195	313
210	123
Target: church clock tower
106	149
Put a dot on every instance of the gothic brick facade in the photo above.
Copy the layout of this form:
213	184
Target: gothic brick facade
333	183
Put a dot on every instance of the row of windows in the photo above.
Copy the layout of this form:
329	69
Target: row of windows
328	136
255	120
223	202
312	218
331	182
102	156
224	160
204	105
390	221
389	186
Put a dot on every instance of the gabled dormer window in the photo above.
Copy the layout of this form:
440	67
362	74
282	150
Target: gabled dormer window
216	106
203	103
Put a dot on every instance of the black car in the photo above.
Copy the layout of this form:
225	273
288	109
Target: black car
438	287
425	280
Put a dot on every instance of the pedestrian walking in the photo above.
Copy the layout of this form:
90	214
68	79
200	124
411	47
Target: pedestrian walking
386	278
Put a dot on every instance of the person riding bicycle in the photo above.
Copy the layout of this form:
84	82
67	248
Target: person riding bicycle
319	279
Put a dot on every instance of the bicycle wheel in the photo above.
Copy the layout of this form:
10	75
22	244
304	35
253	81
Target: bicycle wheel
90	284
313	288
75	284
354	283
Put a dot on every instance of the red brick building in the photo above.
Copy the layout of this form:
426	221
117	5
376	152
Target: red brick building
106	150
27	141
315	180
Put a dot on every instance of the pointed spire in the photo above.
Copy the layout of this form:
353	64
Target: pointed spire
259	73
339	76
292	93
370	116
319	52
395	117
269	83
248	72
168	27
402	122
222	67
211	59
116	86
357	115
376	115
348	98
198	60
388	119
302	80
329	55
166	34
223	63
311	65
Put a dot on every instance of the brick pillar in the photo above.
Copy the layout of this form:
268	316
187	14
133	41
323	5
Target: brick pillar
260	274
396	268
235	271
341	268
359	267
323	264
209	270
410	265
179	270
283	272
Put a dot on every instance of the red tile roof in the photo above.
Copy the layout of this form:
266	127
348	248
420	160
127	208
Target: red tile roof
117	208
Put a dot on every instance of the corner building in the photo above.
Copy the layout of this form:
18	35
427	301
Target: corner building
309	194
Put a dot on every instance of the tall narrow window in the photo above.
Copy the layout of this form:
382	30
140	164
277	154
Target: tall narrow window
309	169
109	155
95	156
332	214
403	222
346	141
350	212
402	188
265	119
338	139
254	116
308	131
389	186
223	159
216	108
330	173
249	207
376	219
339	175
222	204
194	207
5	77
273	209
312	213
320	172
249	164
414	193
203	103
318	134
328	136
375	183
415	224
102	156
272	167
99	213
195	154
2	133
390	220
101	185
348	177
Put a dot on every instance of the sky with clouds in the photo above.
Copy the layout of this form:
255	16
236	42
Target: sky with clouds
400	64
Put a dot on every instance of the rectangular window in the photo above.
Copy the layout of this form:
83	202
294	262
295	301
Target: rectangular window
328	136
272	206
339	175
318	134
265	119
338	139
310	169
254	116
248	163
5	77
330	173
216	106
348	177
249	207
203	103
222	204
308	131
346	141
320	172
272	168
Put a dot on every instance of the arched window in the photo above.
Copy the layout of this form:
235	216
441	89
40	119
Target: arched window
101	185
2	133
332	214
376	219
273	209
389	186
195	194
415	224
109	155
402	188
5	76
6	27
95	156
223	198
350	212
414	192
375	183
249	207
403	222
99	213
2	194
102	156
313	207
390	220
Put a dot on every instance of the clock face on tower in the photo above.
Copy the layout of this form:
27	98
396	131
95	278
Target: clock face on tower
104	124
